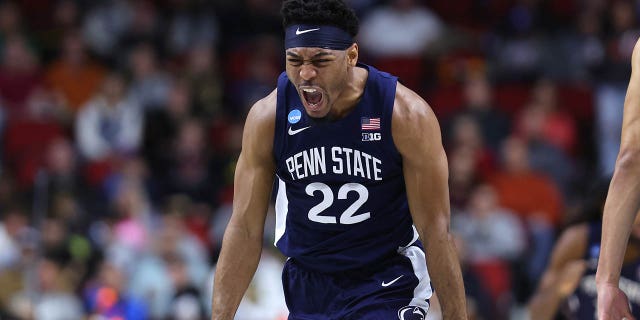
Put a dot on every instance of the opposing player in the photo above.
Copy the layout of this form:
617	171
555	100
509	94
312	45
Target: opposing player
623	202
361	180
568	285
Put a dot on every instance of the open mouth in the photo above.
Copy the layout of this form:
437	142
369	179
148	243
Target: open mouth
312	96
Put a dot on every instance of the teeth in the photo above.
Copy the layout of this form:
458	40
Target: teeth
309	90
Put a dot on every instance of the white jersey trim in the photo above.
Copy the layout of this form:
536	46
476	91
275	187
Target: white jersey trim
423	290
282	208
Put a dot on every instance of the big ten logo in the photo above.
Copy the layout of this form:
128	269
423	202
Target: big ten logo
371	136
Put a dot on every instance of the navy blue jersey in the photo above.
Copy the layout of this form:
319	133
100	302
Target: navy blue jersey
582	303
341	202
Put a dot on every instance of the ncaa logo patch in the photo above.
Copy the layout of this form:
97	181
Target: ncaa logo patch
411	313
294	116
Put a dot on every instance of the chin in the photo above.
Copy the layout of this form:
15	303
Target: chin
317	113
317	116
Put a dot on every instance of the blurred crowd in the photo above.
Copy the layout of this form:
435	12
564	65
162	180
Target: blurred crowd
121	120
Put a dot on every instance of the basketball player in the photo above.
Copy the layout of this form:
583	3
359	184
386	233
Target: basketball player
361	177
569	283
622	204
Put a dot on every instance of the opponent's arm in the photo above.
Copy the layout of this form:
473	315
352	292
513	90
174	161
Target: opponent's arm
242	242
416	134
562	275
623	201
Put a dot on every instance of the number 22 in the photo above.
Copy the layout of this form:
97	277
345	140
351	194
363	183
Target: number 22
348	216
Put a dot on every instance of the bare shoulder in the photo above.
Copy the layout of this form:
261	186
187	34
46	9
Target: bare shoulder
409	106
413	120
263	112
259	128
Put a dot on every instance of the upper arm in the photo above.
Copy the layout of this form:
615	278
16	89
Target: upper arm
630	127
255	169
416	134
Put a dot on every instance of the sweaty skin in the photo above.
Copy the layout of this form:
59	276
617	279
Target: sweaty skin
416	134
242	242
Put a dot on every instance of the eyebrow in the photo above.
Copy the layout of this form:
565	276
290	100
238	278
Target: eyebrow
317	55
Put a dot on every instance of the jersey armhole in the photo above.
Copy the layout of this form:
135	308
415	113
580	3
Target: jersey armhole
389	104
278	136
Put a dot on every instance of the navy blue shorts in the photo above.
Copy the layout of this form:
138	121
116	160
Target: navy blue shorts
400	288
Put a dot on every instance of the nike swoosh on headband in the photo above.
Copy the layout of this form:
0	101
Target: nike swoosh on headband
299	32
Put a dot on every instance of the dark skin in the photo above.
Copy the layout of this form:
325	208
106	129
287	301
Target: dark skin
416	133
323	70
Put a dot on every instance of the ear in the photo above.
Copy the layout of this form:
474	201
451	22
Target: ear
352	55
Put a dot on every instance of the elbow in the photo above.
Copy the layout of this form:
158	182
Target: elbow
438	236
628	159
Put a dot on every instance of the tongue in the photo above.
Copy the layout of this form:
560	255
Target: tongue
313	98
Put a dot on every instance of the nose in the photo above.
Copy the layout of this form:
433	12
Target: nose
307	72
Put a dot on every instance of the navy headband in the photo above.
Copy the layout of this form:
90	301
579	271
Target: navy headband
316	36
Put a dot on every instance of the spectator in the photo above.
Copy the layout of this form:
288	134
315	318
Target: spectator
192	25
205	81
104	296
544	156
27	139
401	28
151	276
465	132
193	165
74	76
491	232
478	104
20	74
11	20
56	300
105	24
14	222
537	201
150	85
494	238
110	124
463	176
57	19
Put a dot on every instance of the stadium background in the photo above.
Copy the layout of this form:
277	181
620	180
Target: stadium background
120	122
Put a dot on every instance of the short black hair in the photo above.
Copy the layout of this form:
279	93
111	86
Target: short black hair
320	12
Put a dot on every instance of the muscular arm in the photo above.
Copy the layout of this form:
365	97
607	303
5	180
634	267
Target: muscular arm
416	134
623	199
562	275
242	242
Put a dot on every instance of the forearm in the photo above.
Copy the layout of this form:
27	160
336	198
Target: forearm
544	305
620	210
235	268
444	267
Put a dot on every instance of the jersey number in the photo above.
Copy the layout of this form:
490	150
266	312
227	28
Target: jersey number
349	216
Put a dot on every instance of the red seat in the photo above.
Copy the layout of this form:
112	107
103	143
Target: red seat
25	145
577	100
511	97
445	100
495	276
409	69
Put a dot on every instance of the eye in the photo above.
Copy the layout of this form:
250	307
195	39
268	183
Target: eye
321	62
295	62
